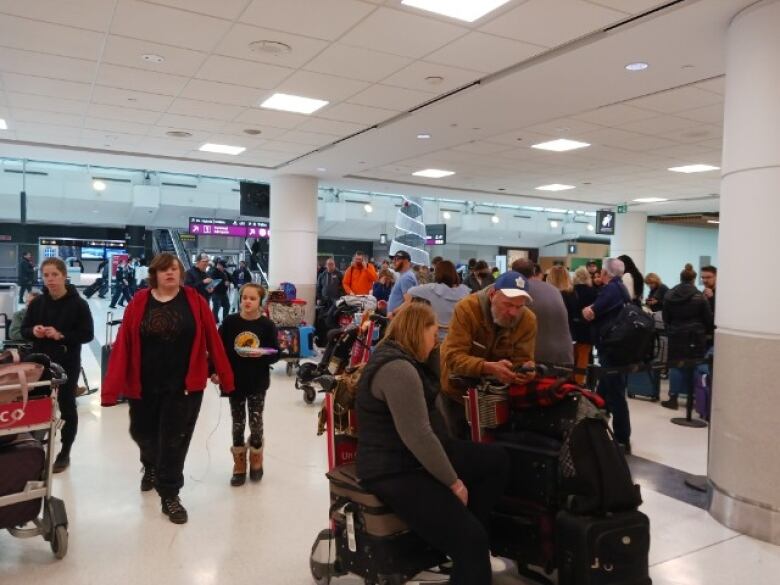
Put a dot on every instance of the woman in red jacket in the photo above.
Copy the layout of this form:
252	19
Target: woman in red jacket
160	363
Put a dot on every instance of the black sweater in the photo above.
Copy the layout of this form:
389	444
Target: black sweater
70	315
251	373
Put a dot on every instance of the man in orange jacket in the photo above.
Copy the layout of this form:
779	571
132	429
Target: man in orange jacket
360	276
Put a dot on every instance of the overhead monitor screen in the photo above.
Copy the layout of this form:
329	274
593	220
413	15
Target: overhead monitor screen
435	234
255	199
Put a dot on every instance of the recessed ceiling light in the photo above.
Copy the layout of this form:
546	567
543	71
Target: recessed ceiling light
423	136
252	131
270	47
293	103
178	134
638	66
590	227
467	10
446	215
3	125
222	148
560	145
713	221
151	58
650	200
553	224
368	208
436	80
555	187
495	219
99	185
321	169
693	169
433	173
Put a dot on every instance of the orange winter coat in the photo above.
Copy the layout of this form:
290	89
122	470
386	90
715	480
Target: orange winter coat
359	281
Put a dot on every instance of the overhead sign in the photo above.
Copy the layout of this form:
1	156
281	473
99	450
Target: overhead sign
572	248
206	226
605	223
435	234
622	208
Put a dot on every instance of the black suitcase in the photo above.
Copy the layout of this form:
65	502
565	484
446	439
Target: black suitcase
21	460
524	532
646	384
105	351
533	474
606	550
93	288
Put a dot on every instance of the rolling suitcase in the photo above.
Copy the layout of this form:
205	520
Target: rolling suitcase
93	288
702	391
645	384
306	336
105	351
524	532
21	460
533	474
606	550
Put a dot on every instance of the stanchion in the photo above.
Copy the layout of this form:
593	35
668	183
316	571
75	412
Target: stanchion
689	421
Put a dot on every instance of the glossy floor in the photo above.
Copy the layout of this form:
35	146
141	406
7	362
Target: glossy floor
262	533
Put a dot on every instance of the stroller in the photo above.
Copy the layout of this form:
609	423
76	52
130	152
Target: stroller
28	404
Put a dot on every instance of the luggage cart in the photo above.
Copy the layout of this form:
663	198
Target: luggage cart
41	415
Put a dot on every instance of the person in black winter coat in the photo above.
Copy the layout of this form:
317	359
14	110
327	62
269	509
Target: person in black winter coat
219	293
198	277
58	322
121	286
658	290
26	276
688	321
581	332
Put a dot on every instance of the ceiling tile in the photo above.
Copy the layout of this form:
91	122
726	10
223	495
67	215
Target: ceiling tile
550	23
190	123
272	118
697	133
116	126
129	52
187	107
59	119
484	53
330	127
676	100
226	9
628	140
236	44
563	128
198	136
151	22
265	158
168	146
321	86
233	140
356	63
314	18
414	77
135	99
357	114
47	87
116	140
614	115
478	147
243	72
139	79
222	93
266	132
22	33
288	147
391	98
29	63
47	133
401	33
309	138
88	14
658	125
709	114
630	6
123	113
716	85
46	103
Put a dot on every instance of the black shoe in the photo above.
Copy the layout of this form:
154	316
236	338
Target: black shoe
171	507
626	447
149	478
671	403
61	463
112	306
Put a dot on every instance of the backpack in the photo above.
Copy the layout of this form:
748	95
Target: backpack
289	290
629	338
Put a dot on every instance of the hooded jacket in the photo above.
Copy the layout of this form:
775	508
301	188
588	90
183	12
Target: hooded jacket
358	281
70	315
688	320
124	367
443	299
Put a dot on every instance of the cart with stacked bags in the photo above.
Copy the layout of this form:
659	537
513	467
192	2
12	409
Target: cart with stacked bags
295	337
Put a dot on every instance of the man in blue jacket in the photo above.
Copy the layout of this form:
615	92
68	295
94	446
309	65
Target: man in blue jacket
601	313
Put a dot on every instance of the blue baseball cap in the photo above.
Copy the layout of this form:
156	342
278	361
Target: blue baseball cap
513	285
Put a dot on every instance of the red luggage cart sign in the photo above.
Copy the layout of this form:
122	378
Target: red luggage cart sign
16	414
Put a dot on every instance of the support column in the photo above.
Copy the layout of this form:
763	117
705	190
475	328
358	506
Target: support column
744	467
630	236
293	242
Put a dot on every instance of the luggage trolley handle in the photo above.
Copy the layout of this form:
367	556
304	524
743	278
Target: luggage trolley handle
110	324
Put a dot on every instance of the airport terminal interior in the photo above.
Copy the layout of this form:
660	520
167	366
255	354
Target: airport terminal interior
294	142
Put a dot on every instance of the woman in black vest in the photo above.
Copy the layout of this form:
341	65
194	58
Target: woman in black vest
442	488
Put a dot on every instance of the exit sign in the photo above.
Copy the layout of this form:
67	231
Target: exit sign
622	208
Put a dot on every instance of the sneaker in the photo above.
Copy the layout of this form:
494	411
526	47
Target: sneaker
671	403
149	478
61	463
81	391
171	507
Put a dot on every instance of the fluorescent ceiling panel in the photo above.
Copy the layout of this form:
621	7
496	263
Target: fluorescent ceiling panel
293	103
222	148
433	173
694	169
650	200
555	187
466	10
560	145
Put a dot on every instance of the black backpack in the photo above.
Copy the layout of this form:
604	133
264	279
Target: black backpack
629	338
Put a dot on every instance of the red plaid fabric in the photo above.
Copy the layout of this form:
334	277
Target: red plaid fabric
548	391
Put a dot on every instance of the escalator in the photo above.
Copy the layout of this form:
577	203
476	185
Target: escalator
169	240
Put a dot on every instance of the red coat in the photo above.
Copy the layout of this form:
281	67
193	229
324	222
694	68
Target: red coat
124	367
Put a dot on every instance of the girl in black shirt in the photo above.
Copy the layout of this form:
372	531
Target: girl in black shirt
243	335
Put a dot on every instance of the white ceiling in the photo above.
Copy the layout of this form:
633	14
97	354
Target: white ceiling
72	75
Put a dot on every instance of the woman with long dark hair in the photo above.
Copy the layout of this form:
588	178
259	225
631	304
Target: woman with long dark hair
632	279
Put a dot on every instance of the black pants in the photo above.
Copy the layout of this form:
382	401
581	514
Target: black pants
23	288
239	405
437	515
66	400
612	387
220	301
120	290
162	425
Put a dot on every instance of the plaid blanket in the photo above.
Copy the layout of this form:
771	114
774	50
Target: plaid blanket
548	391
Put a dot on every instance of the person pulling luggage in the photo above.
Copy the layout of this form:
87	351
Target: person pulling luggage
121	286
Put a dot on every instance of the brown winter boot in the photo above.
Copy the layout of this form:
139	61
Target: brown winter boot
255	464
239	466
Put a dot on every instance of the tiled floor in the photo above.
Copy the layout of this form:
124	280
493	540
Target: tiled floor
262	534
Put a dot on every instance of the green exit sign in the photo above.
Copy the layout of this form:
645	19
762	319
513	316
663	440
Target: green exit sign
622	208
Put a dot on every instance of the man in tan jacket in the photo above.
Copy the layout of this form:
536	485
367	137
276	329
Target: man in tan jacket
491	334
